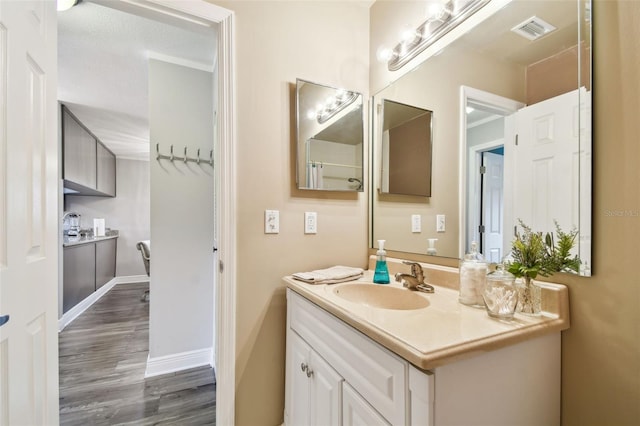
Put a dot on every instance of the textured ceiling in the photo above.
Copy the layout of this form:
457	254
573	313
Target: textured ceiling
102	69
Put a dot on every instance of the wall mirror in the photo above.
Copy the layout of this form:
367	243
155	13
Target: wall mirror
513	137
406	149
330	138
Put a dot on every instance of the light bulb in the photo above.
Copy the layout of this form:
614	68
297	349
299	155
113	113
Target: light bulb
65	5
408	36
437	11
384	54
469	109
311	114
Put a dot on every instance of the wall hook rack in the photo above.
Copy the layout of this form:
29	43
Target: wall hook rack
185	158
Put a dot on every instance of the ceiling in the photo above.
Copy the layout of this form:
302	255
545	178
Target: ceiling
494	38
102	69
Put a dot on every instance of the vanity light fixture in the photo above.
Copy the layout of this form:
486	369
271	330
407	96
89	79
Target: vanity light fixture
333	105
442	17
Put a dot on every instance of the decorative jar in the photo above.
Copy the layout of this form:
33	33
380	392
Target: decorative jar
500	294
473	275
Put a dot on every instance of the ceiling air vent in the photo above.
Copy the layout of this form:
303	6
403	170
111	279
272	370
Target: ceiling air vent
533	28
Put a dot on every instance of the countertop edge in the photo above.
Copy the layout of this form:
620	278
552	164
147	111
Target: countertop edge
89	240
554	321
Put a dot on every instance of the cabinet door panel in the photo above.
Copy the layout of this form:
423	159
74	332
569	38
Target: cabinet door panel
297	404
79	279
326	392
105	261
79	148
356	411
106	171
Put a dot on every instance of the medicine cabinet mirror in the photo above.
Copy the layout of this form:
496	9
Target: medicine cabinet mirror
406	149
330	138
513	135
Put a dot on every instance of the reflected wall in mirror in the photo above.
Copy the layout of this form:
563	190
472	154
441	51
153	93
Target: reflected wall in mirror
406	149
479	85
329	138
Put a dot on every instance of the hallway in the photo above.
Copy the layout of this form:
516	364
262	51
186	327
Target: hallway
103	356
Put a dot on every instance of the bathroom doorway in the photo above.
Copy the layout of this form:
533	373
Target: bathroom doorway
198	14
485	129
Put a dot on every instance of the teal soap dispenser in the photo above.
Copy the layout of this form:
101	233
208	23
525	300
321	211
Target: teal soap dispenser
381	275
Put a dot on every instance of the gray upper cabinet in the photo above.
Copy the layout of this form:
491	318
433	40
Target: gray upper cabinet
79	152
89	168
106	172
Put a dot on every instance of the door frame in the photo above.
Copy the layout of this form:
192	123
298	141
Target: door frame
475	161
500	104
203	13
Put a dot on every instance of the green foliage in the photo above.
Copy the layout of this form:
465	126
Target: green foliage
537	254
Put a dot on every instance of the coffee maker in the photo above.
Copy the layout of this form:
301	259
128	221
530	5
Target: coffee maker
71	224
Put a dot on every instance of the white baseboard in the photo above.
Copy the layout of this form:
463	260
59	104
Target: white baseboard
178	362
130	279
74	312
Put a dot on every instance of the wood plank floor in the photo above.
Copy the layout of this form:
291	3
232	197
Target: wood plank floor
103	356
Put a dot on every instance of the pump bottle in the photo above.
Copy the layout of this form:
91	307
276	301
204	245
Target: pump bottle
381	275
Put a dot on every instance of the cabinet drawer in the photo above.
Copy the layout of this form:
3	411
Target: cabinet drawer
373	371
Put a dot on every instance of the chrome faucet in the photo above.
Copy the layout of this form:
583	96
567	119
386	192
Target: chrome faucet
415	280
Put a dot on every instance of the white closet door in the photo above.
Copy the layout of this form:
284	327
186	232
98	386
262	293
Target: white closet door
28	213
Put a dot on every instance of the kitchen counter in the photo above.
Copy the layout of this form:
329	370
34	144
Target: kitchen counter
74	241
443	332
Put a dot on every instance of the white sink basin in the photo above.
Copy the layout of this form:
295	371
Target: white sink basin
381	296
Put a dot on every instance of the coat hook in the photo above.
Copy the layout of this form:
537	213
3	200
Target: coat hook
198	157
185	155
171	150
211	157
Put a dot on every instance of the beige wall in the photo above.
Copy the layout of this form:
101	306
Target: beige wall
601	350
324	42
277	42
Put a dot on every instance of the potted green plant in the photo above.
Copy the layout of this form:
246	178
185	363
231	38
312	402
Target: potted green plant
535	253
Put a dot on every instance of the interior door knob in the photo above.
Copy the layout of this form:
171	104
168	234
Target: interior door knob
4	319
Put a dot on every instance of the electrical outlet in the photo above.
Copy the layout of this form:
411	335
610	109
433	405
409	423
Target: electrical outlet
271	221
440	223
310	222
416	223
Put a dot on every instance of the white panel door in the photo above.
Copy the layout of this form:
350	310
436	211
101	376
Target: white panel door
28	213
545	164
492	206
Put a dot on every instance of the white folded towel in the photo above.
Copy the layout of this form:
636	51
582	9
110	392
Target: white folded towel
335	274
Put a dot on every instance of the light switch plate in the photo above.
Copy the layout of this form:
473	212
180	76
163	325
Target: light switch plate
416	223
440	223
310	222
271	221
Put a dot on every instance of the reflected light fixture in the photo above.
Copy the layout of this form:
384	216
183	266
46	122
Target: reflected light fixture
442	17
63	5
333	105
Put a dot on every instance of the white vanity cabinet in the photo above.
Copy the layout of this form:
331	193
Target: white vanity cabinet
336	375
372	379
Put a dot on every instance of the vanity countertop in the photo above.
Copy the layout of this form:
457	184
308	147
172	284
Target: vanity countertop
446	330
74	241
